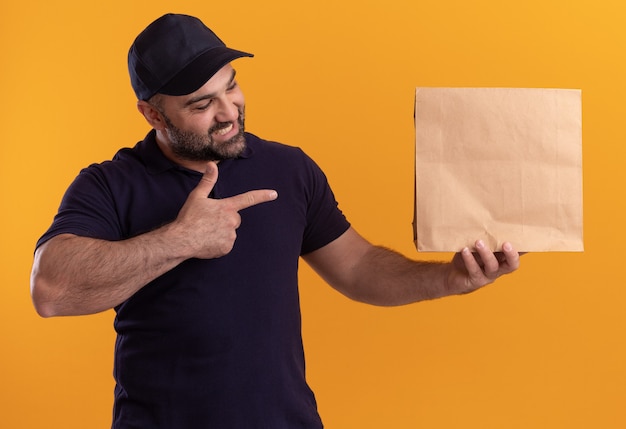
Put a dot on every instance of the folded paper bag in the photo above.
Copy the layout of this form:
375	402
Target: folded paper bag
498	164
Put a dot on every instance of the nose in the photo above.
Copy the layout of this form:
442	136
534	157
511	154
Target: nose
227	111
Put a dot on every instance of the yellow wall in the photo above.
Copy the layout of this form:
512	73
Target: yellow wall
542	349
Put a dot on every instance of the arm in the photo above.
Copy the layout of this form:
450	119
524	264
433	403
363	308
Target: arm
74	275
380	276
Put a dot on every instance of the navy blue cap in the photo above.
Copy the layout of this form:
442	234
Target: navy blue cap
176	55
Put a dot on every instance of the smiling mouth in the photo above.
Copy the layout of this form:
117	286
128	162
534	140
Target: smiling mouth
225	130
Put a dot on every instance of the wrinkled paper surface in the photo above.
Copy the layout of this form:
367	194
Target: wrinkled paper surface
498	164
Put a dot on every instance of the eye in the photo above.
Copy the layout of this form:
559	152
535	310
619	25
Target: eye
232	86
203	106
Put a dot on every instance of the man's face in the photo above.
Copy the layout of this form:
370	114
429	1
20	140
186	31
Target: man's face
207	125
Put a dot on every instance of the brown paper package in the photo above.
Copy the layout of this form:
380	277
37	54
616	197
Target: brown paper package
498	164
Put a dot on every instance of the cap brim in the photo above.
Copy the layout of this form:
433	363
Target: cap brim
200	70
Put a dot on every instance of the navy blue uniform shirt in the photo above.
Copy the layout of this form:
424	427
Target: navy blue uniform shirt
212	343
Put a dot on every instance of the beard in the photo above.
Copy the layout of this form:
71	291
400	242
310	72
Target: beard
190	146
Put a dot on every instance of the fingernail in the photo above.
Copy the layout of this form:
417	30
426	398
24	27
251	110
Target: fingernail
507	247
480	244
273	195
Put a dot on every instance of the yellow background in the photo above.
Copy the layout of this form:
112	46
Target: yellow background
541	349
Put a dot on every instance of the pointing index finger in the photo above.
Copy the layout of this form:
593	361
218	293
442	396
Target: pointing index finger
252	198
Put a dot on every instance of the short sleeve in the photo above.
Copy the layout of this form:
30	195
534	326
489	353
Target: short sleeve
87	209
325	221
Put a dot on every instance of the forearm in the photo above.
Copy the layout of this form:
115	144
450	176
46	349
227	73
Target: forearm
385	277
77	275
379	276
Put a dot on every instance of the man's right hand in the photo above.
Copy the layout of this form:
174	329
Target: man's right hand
210	225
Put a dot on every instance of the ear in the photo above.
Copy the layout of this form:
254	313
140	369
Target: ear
152	115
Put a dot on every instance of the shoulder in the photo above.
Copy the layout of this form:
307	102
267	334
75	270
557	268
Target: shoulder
277	154
131	164
258	145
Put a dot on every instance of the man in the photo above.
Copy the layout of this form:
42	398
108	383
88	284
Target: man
194	237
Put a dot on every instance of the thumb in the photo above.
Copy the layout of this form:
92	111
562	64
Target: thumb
209	178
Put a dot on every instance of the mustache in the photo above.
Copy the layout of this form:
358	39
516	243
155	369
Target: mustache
221	125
